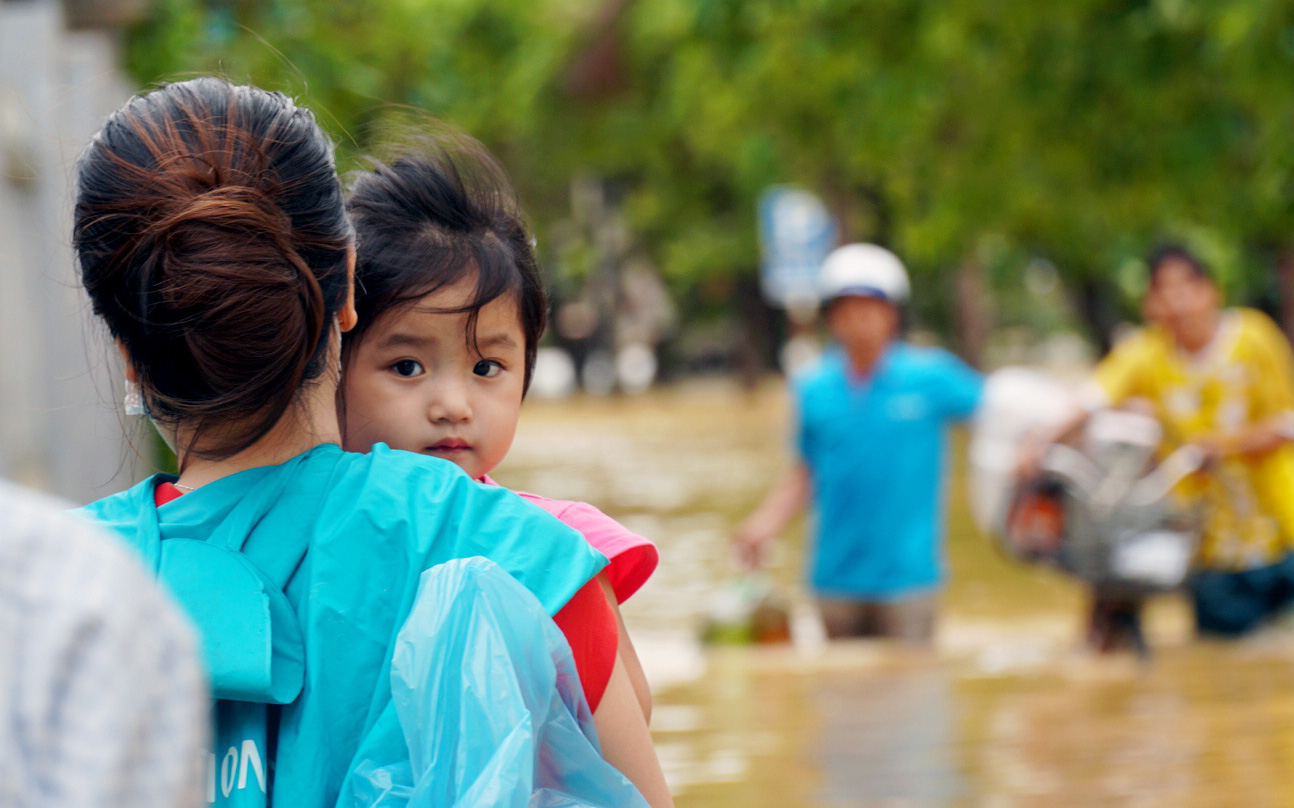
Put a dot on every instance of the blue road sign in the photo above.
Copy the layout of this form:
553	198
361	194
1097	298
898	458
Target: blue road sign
796	233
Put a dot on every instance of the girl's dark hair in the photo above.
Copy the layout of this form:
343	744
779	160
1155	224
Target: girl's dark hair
432	216
1164	253
212	239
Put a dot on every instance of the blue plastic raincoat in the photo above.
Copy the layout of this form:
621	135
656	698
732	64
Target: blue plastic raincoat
491	706
299	577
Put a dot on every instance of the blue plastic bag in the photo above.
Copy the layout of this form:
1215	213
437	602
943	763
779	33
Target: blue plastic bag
490	704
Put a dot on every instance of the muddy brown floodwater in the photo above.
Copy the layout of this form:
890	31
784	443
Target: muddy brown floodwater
1007	711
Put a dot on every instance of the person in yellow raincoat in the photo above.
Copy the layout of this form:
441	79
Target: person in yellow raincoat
1221	379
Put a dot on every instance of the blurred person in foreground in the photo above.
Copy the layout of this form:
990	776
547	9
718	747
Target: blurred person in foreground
1221	379
102	700
871	435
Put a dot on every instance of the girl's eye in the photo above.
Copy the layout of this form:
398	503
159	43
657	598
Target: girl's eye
487	368
408	368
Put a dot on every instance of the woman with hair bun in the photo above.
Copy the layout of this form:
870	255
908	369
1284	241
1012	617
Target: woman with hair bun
213	243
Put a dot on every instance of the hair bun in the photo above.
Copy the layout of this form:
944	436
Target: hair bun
213	239
227	272
229	230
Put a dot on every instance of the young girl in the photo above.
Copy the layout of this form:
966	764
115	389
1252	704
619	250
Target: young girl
451	307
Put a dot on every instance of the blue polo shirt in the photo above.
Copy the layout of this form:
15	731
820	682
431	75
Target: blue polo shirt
876	450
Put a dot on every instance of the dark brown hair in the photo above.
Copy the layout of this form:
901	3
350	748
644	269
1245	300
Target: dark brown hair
212	240
1163	253
439	212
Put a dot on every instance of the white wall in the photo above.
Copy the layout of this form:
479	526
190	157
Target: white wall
60	422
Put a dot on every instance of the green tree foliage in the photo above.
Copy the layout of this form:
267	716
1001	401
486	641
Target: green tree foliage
956	131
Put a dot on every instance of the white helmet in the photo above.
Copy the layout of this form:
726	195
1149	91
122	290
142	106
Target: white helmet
865	270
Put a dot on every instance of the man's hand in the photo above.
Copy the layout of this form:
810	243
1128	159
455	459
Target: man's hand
750	541
787	498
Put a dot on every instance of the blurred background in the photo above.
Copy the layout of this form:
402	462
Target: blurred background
1019	156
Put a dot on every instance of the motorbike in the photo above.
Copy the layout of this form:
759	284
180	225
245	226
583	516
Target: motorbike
1102	511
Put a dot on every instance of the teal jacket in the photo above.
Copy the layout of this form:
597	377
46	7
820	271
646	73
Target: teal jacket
299	577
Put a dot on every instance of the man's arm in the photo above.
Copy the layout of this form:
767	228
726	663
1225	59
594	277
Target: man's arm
1117	377
1029	463
1255	439
961	388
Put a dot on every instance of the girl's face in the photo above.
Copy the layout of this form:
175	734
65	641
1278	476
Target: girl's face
418	383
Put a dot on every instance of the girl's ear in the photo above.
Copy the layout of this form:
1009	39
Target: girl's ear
347	317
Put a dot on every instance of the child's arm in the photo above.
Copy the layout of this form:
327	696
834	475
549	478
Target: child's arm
626	741
588	623
627	652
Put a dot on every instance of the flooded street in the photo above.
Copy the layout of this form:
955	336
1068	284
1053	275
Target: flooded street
1006	712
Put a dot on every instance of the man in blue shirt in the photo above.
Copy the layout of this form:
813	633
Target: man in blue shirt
872	427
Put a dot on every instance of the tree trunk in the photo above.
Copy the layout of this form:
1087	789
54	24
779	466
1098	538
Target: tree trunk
862	213
973	307
1098	312
1285	279
756	353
